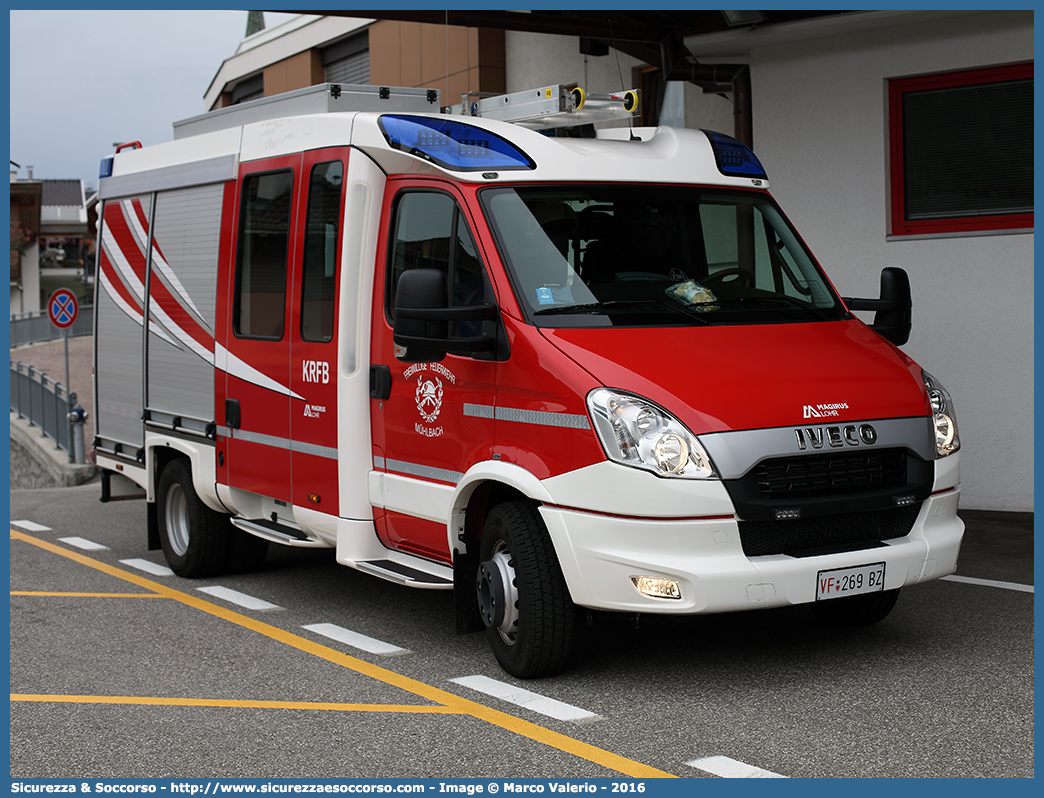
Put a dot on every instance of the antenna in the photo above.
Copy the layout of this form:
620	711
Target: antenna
619	69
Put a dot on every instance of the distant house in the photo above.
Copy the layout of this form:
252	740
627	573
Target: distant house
50	244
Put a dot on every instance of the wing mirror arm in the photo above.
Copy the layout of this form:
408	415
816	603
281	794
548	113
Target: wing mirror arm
893	318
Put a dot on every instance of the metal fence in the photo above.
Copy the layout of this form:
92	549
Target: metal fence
36	327
45	403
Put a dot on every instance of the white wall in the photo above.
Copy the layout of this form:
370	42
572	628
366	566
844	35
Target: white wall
820	129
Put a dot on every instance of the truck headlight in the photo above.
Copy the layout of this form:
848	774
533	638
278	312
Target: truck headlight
947	441
637	433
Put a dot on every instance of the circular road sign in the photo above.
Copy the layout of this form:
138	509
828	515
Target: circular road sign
62	308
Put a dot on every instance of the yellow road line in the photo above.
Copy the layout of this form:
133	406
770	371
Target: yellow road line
553	739
83	595
223	702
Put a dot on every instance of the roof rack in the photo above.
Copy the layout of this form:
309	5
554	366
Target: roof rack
551	107
319	99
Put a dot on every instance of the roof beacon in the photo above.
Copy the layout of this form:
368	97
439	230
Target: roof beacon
735	158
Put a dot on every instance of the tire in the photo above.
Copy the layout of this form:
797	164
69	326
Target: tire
194	538
862	610
531	622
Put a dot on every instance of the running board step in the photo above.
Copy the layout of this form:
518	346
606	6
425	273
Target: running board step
435	577
283	534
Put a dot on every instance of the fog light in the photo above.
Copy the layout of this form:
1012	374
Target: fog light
657	587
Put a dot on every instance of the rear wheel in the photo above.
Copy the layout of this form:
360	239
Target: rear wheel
531	622
194	537
862	610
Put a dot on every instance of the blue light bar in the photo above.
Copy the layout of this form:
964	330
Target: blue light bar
105	168
735	158
452	145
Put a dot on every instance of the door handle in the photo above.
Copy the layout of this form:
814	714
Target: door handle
233	414
380	382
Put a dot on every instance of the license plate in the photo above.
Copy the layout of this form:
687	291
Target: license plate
850	581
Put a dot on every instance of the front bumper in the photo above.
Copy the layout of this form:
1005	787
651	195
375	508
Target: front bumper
601	551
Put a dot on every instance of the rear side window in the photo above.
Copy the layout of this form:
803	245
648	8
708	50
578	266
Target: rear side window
319	266
259	309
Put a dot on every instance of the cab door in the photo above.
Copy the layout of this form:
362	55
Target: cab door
256	362
313	332
437	419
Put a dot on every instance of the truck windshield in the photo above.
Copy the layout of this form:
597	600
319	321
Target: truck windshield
640	255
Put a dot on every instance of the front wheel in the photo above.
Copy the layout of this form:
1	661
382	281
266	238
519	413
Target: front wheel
862	610
531	622
194	537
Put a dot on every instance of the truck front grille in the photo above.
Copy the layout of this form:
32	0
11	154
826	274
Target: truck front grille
833	473
805	536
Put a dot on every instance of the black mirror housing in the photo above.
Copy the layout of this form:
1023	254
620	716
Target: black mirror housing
894	316
422	320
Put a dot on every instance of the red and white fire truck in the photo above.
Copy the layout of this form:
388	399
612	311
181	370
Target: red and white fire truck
547	367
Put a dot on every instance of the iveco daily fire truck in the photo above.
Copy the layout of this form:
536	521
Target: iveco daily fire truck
552	373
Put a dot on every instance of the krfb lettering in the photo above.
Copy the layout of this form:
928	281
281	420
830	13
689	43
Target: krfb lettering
317	371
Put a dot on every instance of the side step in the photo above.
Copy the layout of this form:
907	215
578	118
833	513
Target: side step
432	577
283	534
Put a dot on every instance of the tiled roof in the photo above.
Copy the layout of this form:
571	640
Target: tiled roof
62	192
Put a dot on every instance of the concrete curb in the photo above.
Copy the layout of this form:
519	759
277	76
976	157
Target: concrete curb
37	463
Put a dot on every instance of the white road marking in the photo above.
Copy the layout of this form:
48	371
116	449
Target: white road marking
355	640
237	598
729	768
971	580
82	543
29	526
525	698
148	567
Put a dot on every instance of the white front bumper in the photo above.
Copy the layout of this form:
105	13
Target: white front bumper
601	552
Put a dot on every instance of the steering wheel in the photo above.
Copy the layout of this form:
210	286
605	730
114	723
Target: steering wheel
741	275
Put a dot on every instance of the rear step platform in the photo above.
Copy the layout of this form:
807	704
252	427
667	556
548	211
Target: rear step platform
283	534
433	577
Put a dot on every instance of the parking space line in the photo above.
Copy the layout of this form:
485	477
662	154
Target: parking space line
148	567
82	543
971	580
526	699
154	701
532	731
83	595
355	640
237	598
30	526
729	768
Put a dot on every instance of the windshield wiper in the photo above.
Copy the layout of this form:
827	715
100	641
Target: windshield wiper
619	304
781	301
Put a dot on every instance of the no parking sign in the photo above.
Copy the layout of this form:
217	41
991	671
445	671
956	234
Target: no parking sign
62	308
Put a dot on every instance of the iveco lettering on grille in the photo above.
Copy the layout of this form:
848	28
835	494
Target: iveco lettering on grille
835	437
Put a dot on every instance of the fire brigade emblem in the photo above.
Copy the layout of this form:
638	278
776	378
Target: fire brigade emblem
429	398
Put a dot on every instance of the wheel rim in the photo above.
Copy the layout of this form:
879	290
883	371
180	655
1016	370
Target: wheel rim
177	522
498	593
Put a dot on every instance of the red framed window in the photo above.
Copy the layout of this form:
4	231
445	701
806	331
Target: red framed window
962	151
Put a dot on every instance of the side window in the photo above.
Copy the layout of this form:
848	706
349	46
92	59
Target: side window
319	266
430	232
259	307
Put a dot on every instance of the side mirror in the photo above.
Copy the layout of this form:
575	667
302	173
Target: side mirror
419	289
893	319
422	319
